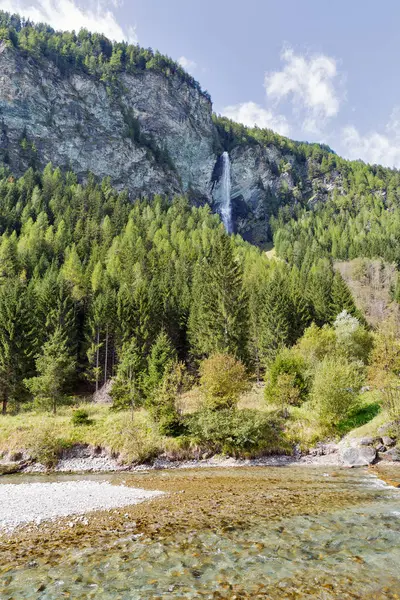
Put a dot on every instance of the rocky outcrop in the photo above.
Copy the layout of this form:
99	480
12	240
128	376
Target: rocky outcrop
149	133
156	136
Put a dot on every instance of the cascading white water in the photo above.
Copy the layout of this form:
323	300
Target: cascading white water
226	186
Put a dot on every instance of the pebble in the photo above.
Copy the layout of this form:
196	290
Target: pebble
35	502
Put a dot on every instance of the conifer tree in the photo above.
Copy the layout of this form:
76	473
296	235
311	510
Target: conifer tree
55	366
342	299
14	335
276	316
219	311
161	357
126	390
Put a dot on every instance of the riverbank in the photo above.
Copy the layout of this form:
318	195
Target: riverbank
119	441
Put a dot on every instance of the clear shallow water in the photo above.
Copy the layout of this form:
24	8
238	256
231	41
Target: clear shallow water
348	552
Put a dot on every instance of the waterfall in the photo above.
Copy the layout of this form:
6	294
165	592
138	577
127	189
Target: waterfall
226	185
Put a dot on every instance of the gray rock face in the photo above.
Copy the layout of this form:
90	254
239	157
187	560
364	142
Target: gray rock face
370	441
74	122
358	456
155	136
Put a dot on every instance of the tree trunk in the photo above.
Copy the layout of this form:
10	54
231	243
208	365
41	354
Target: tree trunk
4	407
106	358
97	359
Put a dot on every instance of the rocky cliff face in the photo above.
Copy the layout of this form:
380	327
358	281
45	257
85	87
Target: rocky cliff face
155	136
76	123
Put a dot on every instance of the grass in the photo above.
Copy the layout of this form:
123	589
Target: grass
137	439
134	439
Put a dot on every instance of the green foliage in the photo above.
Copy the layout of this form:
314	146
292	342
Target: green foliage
164	409
218	315
317	343
92	53
47	447
126	390
81	417
352	340
286	379
161	359
245	432
134	287
223	379
54	366
335	389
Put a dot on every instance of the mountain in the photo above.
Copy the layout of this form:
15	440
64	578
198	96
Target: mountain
131	114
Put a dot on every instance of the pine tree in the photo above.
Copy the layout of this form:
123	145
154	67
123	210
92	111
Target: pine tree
342	299
276	316
219	311
55	366
161	357
318	291
14	335
126	390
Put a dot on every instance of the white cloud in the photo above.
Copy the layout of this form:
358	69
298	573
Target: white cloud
187	64
310	83
69	15
250	114
374	147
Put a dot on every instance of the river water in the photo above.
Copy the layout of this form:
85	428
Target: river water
292	532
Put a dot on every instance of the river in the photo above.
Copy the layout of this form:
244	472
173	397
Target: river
289	532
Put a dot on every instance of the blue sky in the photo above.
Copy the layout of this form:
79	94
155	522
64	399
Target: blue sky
311	70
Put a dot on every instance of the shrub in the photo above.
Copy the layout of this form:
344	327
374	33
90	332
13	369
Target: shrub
352	339
244	432
286	379
336	385
164	406
223	379
81	417
391	400
46	447
316	343
141	443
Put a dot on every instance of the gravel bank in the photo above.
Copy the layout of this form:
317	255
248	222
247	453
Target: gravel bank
35	502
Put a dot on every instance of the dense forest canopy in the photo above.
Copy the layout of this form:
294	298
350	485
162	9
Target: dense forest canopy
91	52
83	267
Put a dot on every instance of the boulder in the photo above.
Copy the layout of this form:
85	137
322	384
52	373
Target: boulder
388	441
392	455
355	456
369	441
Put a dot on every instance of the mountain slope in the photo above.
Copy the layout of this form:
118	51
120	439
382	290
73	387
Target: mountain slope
133	115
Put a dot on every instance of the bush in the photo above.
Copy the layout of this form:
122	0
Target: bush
81	417
391	400
352	339
236	433
335	389
141	443
223	379
286	379
46	448
164	405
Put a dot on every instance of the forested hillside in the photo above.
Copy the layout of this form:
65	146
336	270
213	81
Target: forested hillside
91	278
126	276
